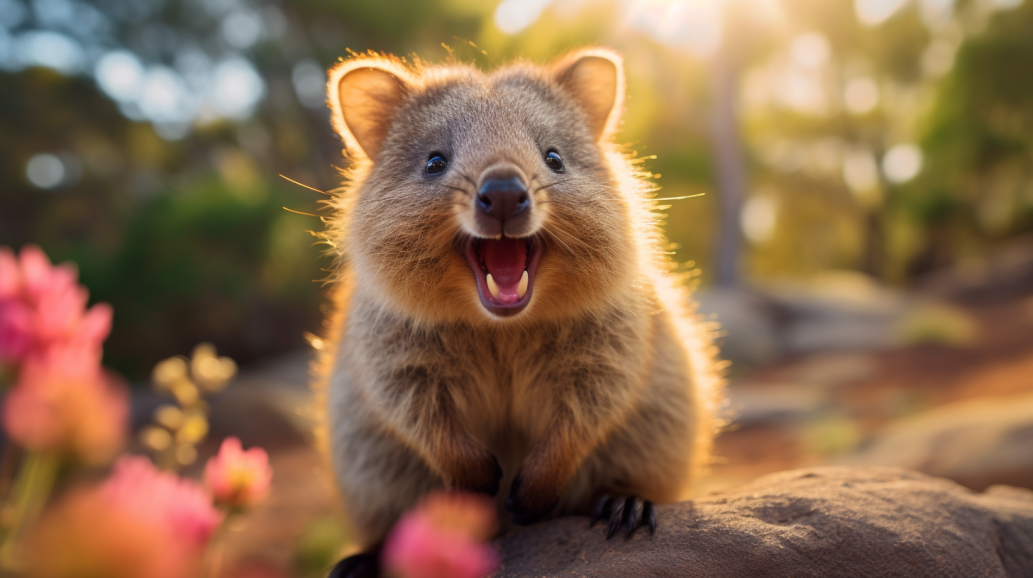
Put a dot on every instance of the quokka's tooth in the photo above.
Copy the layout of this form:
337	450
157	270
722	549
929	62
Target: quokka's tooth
492	287
522	287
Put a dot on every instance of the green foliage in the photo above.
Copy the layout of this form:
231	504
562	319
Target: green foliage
202	264
319	547
979	138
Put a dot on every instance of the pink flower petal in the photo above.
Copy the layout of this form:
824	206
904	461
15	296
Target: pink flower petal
238	478
441	538
136	485
15	330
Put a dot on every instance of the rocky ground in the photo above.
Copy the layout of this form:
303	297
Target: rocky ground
831	522
838	372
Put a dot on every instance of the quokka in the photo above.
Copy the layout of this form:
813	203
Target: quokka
504	319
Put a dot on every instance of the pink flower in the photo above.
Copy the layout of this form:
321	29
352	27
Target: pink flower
63	402
238	479
163	499
140	523
443	537
41	305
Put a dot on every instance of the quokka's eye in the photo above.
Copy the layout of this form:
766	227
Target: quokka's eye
436	164
553	160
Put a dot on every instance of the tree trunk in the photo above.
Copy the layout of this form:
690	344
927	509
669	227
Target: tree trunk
730	165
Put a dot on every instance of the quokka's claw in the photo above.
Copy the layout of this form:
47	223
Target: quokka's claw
628	513
602	510
650	516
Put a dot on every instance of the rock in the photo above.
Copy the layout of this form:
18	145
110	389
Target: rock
749	333
834	311
976	443
829	371
804	395
269	405
838	311
1005	273
774	403
826	522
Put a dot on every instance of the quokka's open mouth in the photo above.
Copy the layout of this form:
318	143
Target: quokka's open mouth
504	269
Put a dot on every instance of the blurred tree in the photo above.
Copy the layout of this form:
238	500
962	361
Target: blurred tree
979	136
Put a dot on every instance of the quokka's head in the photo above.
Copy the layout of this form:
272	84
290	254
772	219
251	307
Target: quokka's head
484	197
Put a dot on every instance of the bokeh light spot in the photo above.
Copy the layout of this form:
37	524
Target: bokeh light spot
860	172
236	88
759	217
50	49
902	163
242	29
810	50
309	80
46	171
164	96
120	75
861	95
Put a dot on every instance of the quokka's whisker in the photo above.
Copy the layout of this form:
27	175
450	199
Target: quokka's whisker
306	186
460	189
301	213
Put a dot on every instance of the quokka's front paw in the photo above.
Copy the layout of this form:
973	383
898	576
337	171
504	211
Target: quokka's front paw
625	513
529	503
482	475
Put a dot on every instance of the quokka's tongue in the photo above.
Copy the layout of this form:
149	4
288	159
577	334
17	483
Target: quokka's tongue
505	260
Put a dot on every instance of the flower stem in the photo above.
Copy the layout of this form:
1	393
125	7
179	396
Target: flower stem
213	556
31	489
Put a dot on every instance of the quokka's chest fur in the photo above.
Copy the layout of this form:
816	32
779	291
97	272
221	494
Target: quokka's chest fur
500	380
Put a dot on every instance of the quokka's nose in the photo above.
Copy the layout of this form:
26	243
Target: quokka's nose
503	199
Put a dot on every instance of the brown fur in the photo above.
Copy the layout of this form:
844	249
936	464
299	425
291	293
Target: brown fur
605	382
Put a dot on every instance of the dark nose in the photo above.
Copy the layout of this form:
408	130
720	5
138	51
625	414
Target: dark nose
503	198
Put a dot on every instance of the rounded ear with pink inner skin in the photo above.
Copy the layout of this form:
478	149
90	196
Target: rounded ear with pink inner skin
594	77
364	94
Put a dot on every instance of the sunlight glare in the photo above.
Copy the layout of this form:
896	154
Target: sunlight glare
875	12
692	25
512	16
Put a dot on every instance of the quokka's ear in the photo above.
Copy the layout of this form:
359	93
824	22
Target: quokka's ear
595	78
364	95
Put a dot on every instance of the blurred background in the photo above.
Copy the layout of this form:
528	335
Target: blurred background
860	220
